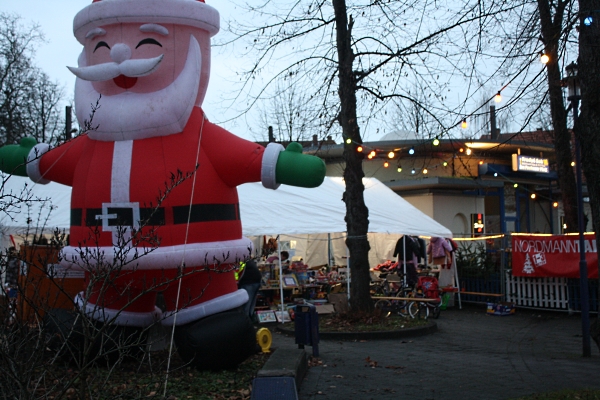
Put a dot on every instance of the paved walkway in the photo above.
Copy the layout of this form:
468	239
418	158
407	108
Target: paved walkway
471	356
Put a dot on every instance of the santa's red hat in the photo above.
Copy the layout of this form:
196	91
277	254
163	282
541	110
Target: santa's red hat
183	12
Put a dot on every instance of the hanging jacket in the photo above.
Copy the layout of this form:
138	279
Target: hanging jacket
412	248
438	247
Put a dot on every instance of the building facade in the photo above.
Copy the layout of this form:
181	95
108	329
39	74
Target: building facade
473	187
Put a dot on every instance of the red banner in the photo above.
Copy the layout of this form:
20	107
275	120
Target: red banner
552	256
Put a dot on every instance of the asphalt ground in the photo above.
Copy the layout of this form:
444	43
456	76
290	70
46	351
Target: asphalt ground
472	355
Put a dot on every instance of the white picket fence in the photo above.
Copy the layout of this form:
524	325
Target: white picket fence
550	293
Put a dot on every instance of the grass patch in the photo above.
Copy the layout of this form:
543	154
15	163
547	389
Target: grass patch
146	380
584	394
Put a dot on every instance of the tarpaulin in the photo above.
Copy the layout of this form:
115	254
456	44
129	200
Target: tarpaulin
552	256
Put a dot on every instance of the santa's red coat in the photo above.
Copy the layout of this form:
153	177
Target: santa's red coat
154	181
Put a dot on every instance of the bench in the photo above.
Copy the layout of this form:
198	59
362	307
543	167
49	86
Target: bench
483	294
417	299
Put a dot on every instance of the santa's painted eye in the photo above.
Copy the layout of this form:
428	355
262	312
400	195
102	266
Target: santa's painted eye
101	44
148	41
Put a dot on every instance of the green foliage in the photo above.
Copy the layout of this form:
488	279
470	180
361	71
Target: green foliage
474	260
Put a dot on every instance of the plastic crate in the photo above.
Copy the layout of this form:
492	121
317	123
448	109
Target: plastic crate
501	309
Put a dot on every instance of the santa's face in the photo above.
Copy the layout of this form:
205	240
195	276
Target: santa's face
148	78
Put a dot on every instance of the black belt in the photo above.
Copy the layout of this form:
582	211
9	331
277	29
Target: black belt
123	216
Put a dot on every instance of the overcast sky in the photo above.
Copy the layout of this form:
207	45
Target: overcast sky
61	49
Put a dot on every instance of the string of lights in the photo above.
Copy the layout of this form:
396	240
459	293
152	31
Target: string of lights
373	153
462	123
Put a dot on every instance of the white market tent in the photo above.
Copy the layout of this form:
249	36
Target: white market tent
304	215
46	208
292	210
307	216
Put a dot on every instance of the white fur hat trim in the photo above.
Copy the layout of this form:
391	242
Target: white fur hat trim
181	12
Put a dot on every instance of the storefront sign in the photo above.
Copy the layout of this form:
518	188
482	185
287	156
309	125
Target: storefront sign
477	225
530	164
552	256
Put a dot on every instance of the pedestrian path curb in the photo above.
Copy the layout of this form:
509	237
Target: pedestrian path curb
286	363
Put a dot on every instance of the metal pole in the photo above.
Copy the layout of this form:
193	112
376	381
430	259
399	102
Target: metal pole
68	123
280	280
583	271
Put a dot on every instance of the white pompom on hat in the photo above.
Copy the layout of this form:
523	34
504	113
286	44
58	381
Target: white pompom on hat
181	12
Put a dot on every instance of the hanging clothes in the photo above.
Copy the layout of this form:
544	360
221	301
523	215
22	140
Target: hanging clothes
411	255
440	250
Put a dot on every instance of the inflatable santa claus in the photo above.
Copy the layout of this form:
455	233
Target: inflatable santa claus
154	202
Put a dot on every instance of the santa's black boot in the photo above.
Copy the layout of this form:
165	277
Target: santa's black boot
219	341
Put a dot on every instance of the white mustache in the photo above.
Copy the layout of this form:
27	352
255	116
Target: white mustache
107	71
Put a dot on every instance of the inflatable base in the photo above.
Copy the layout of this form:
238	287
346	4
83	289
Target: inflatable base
220	341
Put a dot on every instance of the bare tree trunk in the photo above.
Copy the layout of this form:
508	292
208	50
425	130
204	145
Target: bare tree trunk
551	36
357	214
587	129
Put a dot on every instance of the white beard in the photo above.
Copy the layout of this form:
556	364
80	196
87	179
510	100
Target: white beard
131	116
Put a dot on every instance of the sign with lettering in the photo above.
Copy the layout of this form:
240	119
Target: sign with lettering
552	256
477	225
530	164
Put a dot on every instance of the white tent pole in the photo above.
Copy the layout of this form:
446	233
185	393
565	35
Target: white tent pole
330	258
348	272
404	255
280	279
456	277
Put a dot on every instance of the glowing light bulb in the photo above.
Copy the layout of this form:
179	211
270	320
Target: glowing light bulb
480	162
386	164
391	154
516	185
544	58
425	171
372	153
498	97
348	141
445	163
533	196
461	150
588	21
555	204
495	174
436	142
411	151
464	124
469	151
572	163
359	149
413	171
399	169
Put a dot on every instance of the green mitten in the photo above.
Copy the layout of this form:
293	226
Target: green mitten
297	169
13	157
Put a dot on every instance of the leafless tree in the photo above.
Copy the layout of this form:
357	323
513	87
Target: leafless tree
286	110
586	128
29	100
357	58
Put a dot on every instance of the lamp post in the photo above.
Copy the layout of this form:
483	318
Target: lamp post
574	95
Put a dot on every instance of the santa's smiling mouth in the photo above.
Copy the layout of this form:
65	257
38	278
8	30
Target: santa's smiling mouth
125	82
